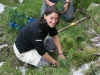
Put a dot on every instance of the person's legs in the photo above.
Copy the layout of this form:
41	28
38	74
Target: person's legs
43	62
51	48
44	6
69	15
49	44
31	57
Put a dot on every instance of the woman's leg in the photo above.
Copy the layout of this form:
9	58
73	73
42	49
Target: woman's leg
44	6
69	15
43	62
31	57
49	44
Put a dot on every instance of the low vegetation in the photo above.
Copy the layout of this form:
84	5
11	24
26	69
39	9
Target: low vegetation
75	40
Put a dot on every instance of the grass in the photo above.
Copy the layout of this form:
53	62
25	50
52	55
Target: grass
73	40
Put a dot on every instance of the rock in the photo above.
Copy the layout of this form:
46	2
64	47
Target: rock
21	1
97	54
1	8
92	6
5	45
1	63
97	45
95	40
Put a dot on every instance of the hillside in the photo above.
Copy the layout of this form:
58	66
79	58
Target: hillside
80	42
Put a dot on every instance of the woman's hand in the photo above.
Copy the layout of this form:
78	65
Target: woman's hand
61	56
55	63
65	8
50	59
51	4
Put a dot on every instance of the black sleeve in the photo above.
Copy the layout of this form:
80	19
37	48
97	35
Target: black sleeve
53	31
37	40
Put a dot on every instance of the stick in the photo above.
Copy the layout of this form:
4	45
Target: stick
74	23
95	22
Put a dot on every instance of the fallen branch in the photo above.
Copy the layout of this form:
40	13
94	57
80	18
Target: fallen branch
74	23
97	54
92	31
95	22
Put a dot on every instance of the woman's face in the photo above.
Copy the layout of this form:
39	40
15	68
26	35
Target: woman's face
51	19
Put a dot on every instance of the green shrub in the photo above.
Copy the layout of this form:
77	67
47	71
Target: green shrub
67	43
18	18
83	3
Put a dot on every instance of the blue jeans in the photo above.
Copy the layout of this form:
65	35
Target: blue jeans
68	16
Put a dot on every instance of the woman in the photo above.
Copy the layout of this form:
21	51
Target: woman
29	44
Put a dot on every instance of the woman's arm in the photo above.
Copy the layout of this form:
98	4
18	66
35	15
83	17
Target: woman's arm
49	3
58	45
67	0
66	6
50	59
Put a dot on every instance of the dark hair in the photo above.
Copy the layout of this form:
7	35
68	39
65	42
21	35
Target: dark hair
49	10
